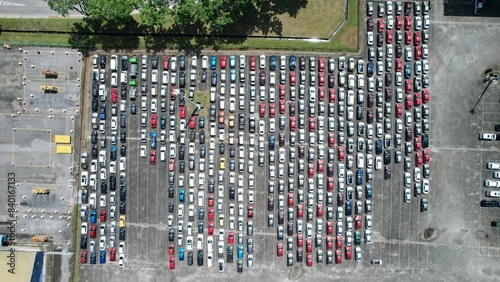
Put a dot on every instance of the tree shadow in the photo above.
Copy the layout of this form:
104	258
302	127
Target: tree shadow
111	35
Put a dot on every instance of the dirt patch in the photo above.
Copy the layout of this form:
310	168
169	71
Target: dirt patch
429	234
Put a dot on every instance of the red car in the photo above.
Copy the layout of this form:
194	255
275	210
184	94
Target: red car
417	99
416	38
282	107
272	109
321	64
332	95
329	228
103	216
292	78
418	143
358	222
418	159
408	37
210	200
210	228
380	25
153	120
341	153
399	22
312	124
282	91
253	63
279	249
114	95
348	252
399	110
321	93
300	240
152	157
112	254
210	214
300	211
427	156
223	59
309	246
329	243
309	259
182	111
171	163
418	52
83	257
408	86
407	22
338	257
388	36
172	263
93	232
166	61
425	96
290	200
320	166
321	78
338	242
331	184
192	122
230	238
250	211
399	64
292	123
310	170
171	249
319	210
408	102
262	109
331	139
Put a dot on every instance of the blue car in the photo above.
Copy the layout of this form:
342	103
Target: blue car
213	62
348	208
359	177
378	147
112	151
271	142
181	196
293	62
92	258
240	251
370	69
153	140
232	62
272	62
102	257
407	71
93	217
181	254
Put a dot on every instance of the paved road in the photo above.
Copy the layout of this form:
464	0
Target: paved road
28	9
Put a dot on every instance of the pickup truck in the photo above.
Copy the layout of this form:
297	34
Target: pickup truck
487	136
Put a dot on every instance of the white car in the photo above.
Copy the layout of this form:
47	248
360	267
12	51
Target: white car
407	195
492	165
492	183
487	136
369	38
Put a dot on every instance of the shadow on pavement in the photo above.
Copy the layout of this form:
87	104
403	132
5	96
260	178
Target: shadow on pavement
463	8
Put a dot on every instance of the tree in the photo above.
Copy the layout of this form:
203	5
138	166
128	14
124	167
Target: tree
63	7
154	13
100	10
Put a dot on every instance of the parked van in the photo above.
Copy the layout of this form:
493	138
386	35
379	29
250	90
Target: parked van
123	78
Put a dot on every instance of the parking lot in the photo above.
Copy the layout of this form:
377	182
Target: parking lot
397	232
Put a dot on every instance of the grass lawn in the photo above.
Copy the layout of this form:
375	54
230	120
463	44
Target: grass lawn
318	19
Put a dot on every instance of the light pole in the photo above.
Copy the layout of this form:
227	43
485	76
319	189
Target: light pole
490	78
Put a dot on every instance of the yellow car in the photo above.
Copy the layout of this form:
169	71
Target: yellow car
122	221
222	164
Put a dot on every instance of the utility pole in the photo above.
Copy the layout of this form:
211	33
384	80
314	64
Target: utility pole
490	78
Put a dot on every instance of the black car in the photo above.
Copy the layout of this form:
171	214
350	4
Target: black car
201	214
300	254
231	151
190	258
93	137
123	150
202	148
112	183
495	223
213	80
388	79
424	204
221	148
93	258
359	112
182	151
122	233
490	204
83	242
241	122
212	112
133	108
95	104
380	40
211	184
182	62
200	227
231	193
95	90
123	208
85	196
201	122
154	62
399	51
369	24
192	135
170	206
182	166
201	137
203	76
302	63
425	141
200	258
124	63
123	194
182	79
104	187
102	61
123	180
408	134
171	235
123	92
387	157
240	266
388	94
230	254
